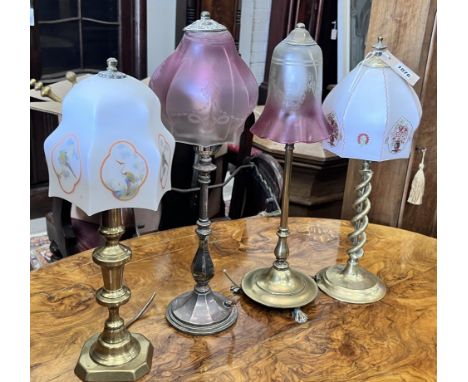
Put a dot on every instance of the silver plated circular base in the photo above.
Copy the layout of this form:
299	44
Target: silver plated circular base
88	370
201	314
359	287
284	289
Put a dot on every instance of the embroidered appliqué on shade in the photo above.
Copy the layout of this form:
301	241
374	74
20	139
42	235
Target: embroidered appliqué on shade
336	135
363	139
399	135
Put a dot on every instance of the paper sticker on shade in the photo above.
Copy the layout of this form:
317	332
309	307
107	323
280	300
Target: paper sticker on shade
65	158
124	170
165	150
398	135
336	134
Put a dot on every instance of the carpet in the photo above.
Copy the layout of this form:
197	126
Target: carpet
40	254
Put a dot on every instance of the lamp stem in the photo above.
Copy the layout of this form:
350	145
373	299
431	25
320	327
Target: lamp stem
202	311
282	249
362	206
202	264
115	345
115	354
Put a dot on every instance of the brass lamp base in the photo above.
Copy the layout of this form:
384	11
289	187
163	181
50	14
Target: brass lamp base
279	288
201	313
357	287
88	370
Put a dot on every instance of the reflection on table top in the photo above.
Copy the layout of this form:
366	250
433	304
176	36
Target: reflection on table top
392	340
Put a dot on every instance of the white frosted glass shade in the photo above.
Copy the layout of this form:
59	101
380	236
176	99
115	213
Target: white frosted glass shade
373	113
111	149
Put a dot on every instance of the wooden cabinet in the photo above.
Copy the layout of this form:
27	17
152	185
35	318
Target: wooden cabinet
78	35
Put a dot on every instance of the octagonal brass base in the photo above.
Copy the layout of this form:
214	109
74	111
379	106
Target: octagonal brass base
279	288
201	313
357	287
88	370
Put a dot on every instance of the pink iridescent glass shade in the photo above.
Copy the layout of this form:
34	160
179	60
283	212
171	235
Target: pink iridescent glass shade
293	110
205	89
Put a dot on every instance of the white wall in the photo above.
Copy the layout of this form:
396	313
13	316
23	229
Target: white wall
160	23
253	39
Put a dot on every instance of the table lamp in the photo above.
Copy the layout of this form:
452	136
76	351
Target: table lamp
206	93
111	151
292	114
374	113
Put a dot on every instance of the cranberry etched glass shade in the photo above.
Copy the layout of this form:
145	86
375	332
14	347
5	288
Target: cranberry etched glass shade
205	88
293	110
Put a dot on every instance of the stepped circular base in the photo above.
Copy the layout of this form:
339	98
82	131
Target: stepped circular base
201	314
360	287
88	370
285	288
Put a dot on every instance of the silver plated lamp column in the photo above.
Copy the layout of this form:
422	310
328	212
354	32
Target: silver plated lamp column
207	92
202	311
350	282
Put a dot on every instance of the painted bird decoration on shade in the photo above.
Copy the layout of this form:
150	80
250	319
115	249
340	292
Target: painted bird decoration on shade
130	178
65	163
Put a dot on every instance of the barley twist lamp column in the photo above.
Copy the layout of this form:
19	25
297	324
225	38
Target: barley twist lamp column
111	151
206	92
292	114
374	113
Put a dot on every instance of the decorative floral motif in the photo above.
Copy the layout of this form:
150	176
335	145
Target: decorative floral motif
398	135
336	135
165	150
363	139
65	157
123	170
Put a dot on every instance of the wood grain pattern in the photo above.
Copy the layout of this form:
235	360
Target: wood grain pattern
392	340
407	28
426	136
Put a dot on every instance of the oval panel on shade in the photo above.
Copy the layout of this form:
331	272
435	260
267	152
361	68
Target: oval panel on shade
373	112
205	88
111	149
293	110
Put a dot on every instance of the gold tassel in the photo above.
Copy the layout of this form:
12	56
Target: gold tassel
418	184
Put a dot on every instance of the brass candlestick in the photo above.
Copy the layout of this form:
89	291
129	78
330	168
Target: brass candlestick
280	286
115	354
202	311
350	282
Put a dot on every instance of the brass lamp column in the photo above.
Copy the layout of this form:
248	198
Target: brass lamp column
352	283
202	311
104	157
115	354
292	114
279	286
374	113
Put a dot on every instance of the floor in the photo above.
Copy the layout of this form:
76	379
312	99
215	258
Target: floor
39	254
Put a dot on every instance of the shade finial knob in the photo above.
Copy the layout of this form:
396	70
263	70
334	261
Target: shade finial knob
112	64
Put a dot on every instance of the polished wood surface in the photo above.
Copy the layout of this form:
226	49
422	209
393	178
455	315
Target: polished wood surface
391	340
407	27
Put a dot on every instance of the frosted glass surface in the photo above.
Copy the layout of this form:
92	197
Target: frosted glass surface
293	111
205	89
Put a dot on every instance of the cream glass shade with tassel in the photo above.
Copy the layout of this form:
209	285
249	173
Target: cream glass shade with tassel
111	149
373	113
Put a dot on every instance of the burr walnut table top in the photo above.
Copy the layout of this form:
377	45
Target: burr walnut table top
391	340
